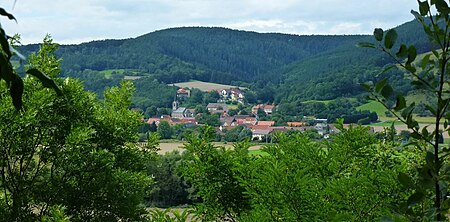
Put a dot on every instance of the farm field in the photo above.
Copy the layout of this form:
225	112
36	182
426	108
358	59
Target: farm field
204	86
373	106
172	146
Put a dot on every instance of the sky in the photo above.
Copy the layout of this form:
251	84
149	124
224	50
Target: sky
76	21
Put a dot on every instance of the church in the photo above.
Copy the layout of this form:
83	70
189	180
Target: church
180	112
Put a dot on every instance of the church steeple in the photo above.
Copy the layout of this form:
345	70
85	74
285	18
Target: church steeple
175	104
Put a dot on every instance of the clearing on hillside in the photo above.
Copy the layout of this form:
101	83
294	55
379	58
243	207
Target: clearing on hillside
373	106
204	86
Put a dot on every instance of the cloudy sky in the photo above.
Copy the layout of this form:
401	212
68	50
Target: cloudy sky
75	21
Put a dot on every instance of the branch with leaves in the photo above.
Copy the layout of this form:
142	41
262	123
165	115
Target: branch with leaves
431	74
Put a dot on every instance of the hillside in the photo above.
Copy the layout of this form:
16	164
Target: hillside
278	67
209	54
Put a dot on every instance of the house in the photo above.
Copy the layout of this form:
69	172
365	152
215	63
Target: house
154	120
189	121
260	134
234	94
265	123
245	120
321	126
268	109
228	121
183	93
296	124
217	108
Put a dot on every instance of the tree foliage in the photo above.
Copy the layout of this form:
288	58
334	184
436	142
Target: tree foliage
429	72
72	151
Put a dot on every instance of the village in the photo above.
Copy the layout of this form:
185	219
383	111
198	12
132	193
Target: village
228	119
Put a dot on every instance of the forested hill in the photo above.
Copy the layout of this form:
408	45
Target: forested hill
292	67
339	72
210	54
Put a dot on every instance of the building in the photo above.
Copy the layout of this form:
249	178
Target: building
265	123
183	93
268	109
180	112
231	94
217	108
297	124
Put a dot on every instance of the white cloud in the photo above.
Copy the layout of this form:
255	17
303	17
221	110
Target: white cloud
70	21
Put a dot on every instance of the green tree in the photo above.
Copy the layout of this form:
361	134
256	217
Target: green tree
14	83
72	151
429	183
165	130
212	170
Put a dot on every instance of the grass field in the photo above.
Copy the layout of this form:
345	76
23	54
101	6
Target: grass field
204	86
318	101
108	73
177	145
373	106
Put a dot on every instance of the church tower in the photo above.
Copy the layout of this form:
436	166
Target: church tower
175	104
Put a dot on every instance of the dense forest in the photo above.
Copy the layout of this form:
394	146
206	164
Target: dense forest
229	56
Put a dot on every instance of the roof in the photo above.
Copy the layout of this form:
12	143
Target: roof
265	123
262	131
262	106
227	119
153	120
296	123
217	105
183	91
179	110
256	127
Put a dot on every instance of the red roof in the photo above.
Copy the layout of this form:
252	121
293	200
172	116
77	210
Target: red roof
265	123
296	123
153	120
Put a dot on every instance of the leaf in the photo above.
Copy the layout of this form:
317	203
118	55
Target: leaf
378	33
431	109
405	180
6	71
412	54
415	198
416	15
400	103
45	80
410	68
425	61
387	91
407	112
390	38
16	92
380	84
4	43
367	86
386	219
442	6
424	8
365	45
387	69
5	13
402	51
